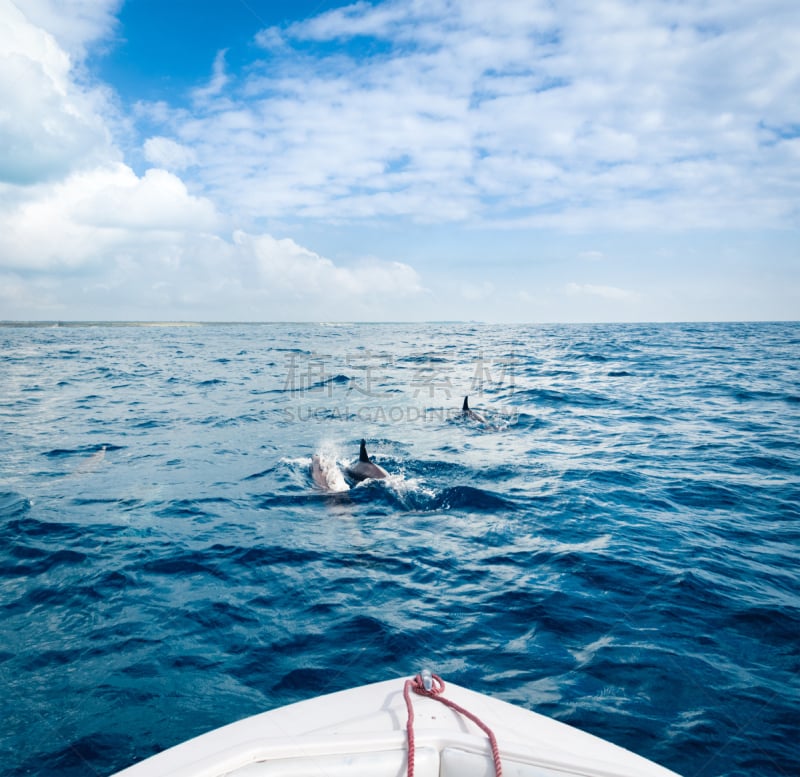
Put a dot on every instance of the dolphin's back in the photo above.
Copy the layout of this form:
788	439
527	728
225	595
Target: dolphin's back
364	468
468	412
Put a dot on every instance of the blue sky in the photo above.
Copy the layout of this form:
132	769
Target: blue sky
513	160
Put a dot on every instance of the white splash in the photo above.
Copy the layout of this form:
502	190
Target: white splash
326	472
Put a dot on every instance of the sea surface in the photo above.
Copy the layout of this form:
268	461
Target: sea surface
615	542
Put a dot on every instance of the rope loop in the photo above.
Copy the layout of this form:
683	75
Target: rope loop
428	684
431	685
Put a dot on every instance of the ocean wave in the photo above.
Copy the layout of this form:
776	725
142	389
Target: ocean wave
620	556
13	505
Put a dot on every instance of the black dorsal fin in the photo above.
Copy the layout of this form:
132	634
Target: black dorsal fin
362	456
466	404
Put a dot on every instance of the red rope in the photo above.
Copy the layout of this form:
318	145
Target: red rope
435	692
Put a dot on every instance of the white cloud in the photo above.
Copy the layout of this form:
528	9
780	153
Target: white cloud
79	227
270	39
513	113
218	81
604	292
147	242
49	125
284	266
616	116
165	152
95	215
73	23
360	18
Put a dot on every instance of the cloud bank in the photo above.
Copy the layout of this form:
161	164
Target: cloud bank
79	229
573	115
506	119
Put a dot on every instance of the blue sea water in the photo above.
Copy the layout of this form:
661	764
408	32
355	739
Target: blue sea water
616	546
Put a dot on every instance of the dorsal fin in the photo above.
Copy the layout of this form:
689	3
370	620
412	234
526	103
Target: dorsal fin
466	404
362	456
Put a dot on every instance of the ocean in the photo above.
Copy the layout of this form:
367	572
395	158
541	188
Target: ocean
614	542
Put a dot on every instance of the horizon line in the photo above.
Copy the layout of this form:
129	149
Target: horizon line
55	323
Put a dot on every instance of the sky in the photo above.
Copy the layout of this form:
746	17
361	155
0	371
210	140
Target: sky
400	160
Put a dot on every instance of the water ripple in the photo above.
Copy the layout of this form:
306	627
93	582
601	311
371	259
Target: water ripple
615	547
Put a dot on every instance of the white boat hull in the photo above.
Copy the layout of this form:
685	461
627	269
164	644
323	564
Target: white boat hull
362	733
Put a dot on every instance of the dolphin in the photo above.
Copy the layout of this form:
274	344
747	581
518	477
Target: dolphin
92	463
467	412
364	468
326	474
